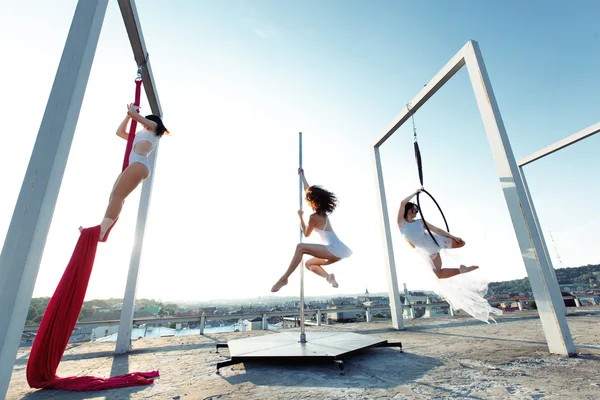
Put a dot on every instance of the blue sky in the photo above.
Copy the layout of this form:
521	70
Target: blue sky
239	79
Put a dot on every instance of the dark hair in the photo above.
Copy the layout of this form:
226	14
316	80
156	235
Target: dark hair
321	200
409	206
160	127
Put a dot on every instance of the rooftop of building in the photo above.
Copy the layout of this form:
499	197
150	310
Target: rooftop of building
456	357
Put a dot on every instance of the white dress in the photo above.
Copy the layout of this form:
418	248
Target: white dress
462	291
332	242
416	234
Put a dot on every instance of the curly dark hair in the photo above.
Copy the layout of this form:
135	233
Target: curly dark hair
321	200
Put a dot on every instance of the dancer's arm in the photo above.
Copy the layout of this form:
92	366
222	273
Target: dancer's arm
442	232
122	129
304	181
403	207
307	230
133	112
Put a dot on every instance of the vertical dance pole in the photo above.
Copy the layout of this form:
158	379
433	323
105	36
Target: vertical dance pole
302	333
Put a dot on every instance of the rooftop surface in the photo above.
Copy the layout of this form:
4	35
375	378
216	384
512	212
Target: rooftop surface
444	358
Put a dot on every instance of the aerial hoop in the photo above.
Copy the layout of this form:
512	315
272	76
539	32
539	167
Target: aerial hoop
423	217
420	170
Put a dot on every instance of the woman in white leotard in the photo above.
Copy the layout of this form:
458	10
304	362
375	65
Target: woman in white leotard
331	251
416	235
138	170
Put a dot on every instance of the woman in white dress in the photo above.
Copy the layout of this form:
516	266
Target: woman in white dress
461	292
323	202
418	238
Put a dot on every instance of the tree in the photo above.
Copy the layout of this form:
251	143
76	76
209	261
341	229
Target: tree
86	310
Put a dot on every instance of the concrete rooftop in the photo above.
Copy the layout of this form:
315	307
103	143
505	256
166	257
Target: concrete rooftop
451	357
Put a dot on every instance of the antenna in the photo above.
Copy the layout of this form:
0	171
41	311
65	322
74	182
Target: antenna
556	250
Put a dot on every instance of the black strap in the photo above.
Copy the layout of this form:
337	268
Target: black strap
423	217
419	164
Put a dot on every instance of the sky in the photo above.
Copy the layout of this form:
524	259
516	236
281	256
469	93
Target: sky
238	80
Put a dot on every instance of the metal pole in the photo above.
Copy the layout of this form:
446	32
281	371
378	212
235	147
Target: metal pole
553	282
302	333
392	279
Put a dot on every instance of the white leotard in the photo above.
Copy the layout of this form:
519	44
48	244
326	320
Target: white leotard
147	136
143	136
332	242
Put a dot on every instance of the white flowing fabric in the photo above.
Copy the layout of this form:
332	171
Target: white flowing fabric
463	291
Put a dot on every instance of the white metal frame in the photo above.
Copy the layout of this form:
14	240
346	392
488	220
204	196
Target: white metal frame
541	275
28	229
134	31
561	144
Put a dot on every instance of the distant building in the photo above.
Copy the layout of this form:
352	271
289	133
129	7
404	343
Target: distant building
255	324
341	303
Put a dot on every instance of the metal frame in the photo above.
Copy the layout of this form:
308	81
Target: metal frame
26	237
561	144
134	31
541	275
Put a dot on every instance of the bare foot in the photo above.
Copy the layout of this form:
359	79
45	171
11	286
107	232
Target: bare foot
464	269
280	283
331	279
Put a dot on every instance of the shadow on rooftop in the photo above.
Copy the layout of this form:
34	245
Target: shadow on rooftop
371	368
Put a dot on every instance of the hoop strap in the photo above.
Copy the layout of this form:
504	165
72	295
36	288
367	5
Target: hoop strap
423	217
419	163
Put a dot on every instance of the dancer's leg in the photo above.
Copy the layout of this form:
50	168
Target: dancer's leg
316	265
127	182
462	269
315	250
444	273
456	244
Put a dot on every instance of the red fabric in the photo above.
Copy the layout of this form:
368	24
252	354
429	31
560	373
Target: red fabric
138	92
61	316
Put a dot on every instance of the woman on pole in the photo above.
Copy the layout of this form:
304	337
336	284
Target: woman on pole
323	203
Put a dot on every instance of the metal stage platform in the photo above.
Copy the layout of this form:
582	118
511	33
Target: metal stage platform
285	347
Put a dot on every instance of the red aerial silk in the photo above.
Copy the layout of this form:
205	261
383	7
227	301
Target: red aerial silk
63	310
